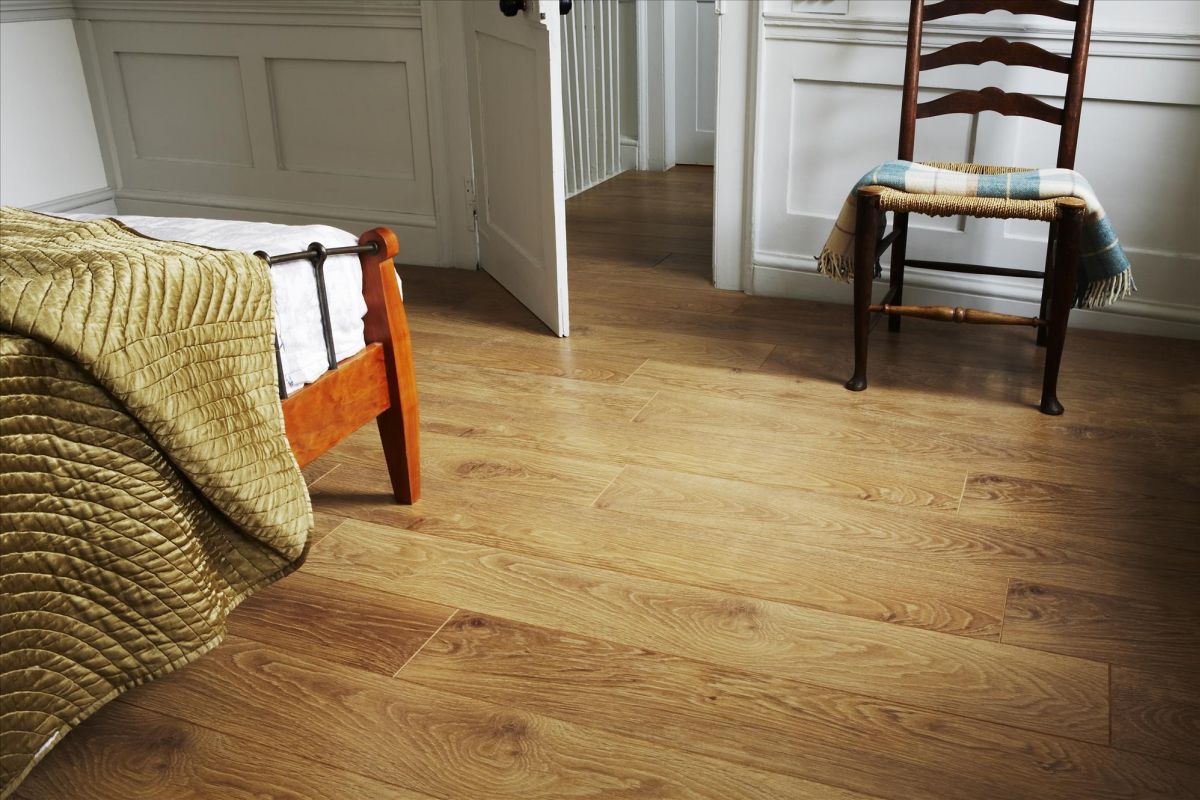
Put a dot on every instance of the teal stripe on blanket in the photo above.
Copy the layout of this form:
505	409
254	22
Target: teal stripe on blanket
1105	275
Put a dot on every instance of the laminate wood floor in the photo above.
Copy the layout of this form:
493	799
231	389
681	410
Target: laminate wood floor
671	557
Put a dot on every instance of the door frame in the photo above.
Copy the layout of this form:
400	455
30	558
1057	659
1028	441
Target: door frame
738	34
655	23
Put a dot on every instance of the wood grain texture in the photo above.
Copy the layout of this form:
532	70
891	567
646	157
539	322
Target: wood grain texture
1101	511
131	753
341	401
441	743
386	323
687	570
1143	631
968	677
771	722
785	568
996	48
339	623
1157	712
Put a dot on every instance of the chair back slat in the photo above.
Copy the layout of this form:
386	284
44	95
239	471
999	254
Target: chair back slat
1005	52
994	48
1010	104
1042	8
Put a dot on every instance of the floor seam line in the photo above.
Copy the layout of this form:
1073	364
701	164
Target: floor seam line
432	636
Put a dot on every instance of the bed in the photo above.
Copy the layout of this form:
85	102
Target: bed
162	383
340	326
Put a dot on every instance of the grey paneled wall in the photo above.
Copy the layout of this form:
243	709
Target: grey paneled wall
290	112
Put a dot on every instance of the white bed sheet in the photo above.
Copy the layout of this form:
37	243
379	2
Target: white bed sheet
297	312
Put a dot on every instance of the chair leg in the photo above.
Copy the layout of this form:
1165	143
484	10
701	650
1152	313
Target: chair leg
1062	296
866	230
896	272
1047	282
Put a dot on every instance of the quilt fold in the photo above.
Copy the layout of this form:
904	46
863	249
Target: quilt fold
146	484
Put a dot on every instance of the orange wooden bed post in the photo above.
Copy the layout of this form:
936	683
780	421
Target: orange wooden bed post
387	324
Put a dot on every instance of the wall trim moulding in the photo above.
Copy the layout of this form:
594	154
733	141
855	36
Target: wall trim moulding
785	275
63	205
890	32
348	213
360	13
35	10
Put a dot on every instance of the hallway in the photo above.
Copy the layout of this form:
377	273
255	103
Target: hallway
670	556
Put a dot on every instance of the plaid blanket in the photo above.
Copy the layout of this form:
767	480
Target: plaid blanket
1104	276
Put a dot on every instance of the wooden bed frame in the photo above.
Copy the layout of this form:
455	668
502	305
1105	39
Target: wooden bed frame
375	383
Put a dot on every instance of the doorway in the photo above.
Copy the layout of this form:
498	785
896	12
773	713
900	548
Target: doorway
639	84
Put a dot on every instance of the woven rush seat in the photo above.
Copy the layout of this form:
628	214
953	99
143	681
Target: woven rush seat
944	205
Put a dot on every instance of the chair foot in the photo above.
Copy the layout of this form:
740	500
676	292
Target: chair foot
857	383
1051	406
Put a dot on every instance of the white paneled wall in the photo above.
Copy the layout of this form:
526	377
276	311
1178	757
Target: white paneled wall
591	79
827	108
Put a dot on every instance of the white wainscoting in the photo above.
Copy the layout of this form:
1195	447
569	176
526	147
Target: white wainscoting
828	100
277	111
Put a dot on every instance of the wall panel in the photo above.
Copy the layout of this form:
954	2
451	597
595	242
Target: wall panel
317	113
828	104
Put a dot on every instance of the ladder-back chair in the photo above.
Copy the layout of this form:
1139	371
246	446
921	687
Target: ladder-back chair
1065	214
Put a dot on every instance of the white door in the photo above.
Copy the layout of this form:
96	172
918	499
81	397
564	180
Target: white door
695	81
515	98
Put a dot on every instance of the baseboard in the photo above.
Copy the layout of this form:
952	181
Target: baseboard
629	153
776	275
97	201
418	234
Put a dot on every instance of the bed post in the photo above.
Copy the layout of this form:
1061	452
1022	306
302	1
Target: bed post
387	324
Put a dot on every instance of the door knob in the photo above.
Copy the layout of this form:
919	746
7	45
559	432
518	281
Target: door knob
564	7
510	8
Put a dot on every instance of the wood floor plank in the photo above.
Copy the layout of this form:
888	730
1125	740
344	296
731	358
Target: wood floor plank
502	318
583	365
516	390
129	753
1108	456
981	679
903	534
338	622
780	463
1157	712
784	568
776	462
1101	511
571	480
1163	633
823	390
437	742
849	740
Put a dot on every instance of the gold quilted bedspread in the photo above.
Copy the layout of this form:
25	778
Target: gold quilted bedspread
146	485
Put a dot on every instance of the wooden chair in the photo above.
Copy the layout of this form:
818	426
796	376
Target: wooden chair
1065	214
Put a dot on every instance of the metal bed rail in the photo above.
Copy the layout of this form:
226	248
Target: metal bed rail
316	253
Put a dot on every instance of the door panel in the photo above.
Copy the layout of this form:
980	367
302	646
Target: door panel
515	99
695	81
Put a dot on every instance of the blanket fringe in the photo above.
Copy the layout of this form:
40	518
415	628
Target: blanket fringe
1106	291
837	266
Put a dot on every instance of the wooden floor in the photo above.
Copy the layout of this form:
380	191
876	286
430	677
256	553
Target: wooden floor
672	557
